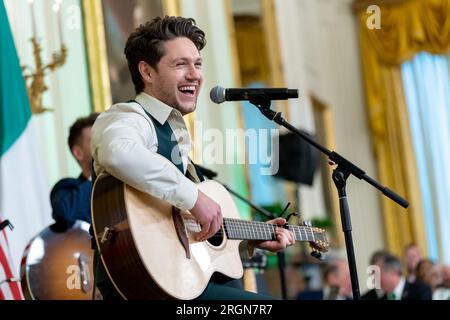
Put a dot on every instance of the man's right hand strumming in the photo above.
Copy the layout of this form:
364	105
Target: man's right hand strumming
208	214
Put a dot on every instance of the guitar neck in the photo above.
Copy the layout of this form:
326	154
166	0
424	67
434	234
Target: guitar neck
255	230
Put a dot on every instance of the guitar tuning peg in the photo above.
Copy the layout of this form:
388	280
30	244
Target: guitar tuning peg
307	223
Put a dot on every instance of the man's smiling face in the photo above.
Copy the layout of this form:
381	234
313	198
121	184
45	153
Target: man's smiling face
177	79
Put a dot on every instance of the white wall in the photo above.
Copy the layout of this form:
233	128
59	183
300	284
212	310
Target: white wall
321	56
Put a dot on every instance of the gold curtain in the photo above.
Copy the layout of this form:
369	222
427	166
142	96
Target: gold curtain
407	27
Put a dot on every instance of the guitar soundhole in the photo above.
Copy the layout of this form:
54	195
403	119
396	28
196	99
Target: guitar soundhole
216	240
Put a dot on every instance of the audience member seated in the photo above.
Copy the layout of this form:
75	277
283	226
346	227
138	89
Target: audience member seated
442	292
412	256
375	260
394	284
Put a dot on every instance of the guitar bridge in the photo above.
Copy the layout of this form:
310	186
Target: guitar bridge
107	233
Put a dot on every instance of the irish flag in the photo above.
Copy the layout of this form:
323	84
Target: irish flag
24	195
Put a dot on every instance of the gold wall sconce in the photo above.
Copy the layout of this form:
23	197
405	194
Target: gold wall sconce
35	78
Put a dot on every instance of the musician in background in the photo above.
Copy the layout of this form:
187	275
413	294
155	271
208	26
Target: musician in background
70	197
145	142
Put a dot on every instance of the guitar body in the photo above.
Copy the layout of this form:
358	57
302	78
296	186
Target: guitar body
58	265
142	251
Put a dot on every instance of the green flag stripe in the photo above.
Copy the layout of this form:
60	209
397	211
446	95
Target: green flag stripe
14	104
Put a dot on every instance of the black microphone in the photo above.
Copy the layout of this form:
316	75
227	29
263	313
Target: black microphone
219	94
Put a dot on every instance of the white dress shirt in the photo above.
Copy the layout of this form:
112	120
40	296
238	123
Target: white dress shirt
398	290
124	144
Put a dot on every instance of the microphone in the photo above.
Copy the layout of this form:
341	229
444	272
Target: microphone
219	94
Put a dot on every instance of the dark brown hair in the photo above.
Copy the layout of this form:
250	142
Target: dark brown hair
391	262
76	130
146	42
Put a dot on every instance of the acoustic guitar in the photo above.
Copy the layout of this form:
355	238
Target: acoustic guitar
148	248
57	265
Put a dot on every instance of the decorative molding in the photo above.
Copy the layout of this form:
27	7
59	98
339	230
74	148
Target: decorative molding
94	31
269	21
323	119
228	5
171	7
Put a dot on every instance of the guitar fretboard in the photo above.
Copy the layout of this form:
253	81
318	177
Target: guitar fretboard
255	230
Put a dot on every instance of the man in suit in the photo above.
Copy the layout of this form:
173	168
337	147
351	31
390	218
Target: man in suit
70	197
145	142
394	284
375	261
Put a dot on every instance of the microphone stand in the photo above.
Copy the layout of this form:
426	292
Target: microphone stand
280	254
344	169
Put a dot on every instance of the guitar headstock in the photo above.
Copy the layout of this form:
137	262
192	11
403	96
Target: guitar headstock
315	236
320	242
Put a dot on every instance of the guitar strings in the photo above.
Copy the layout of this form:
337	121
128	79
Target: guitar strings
235	228
252	230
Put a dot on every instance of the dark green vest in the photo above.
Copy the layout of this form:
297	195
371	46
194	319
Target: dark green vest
167	144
